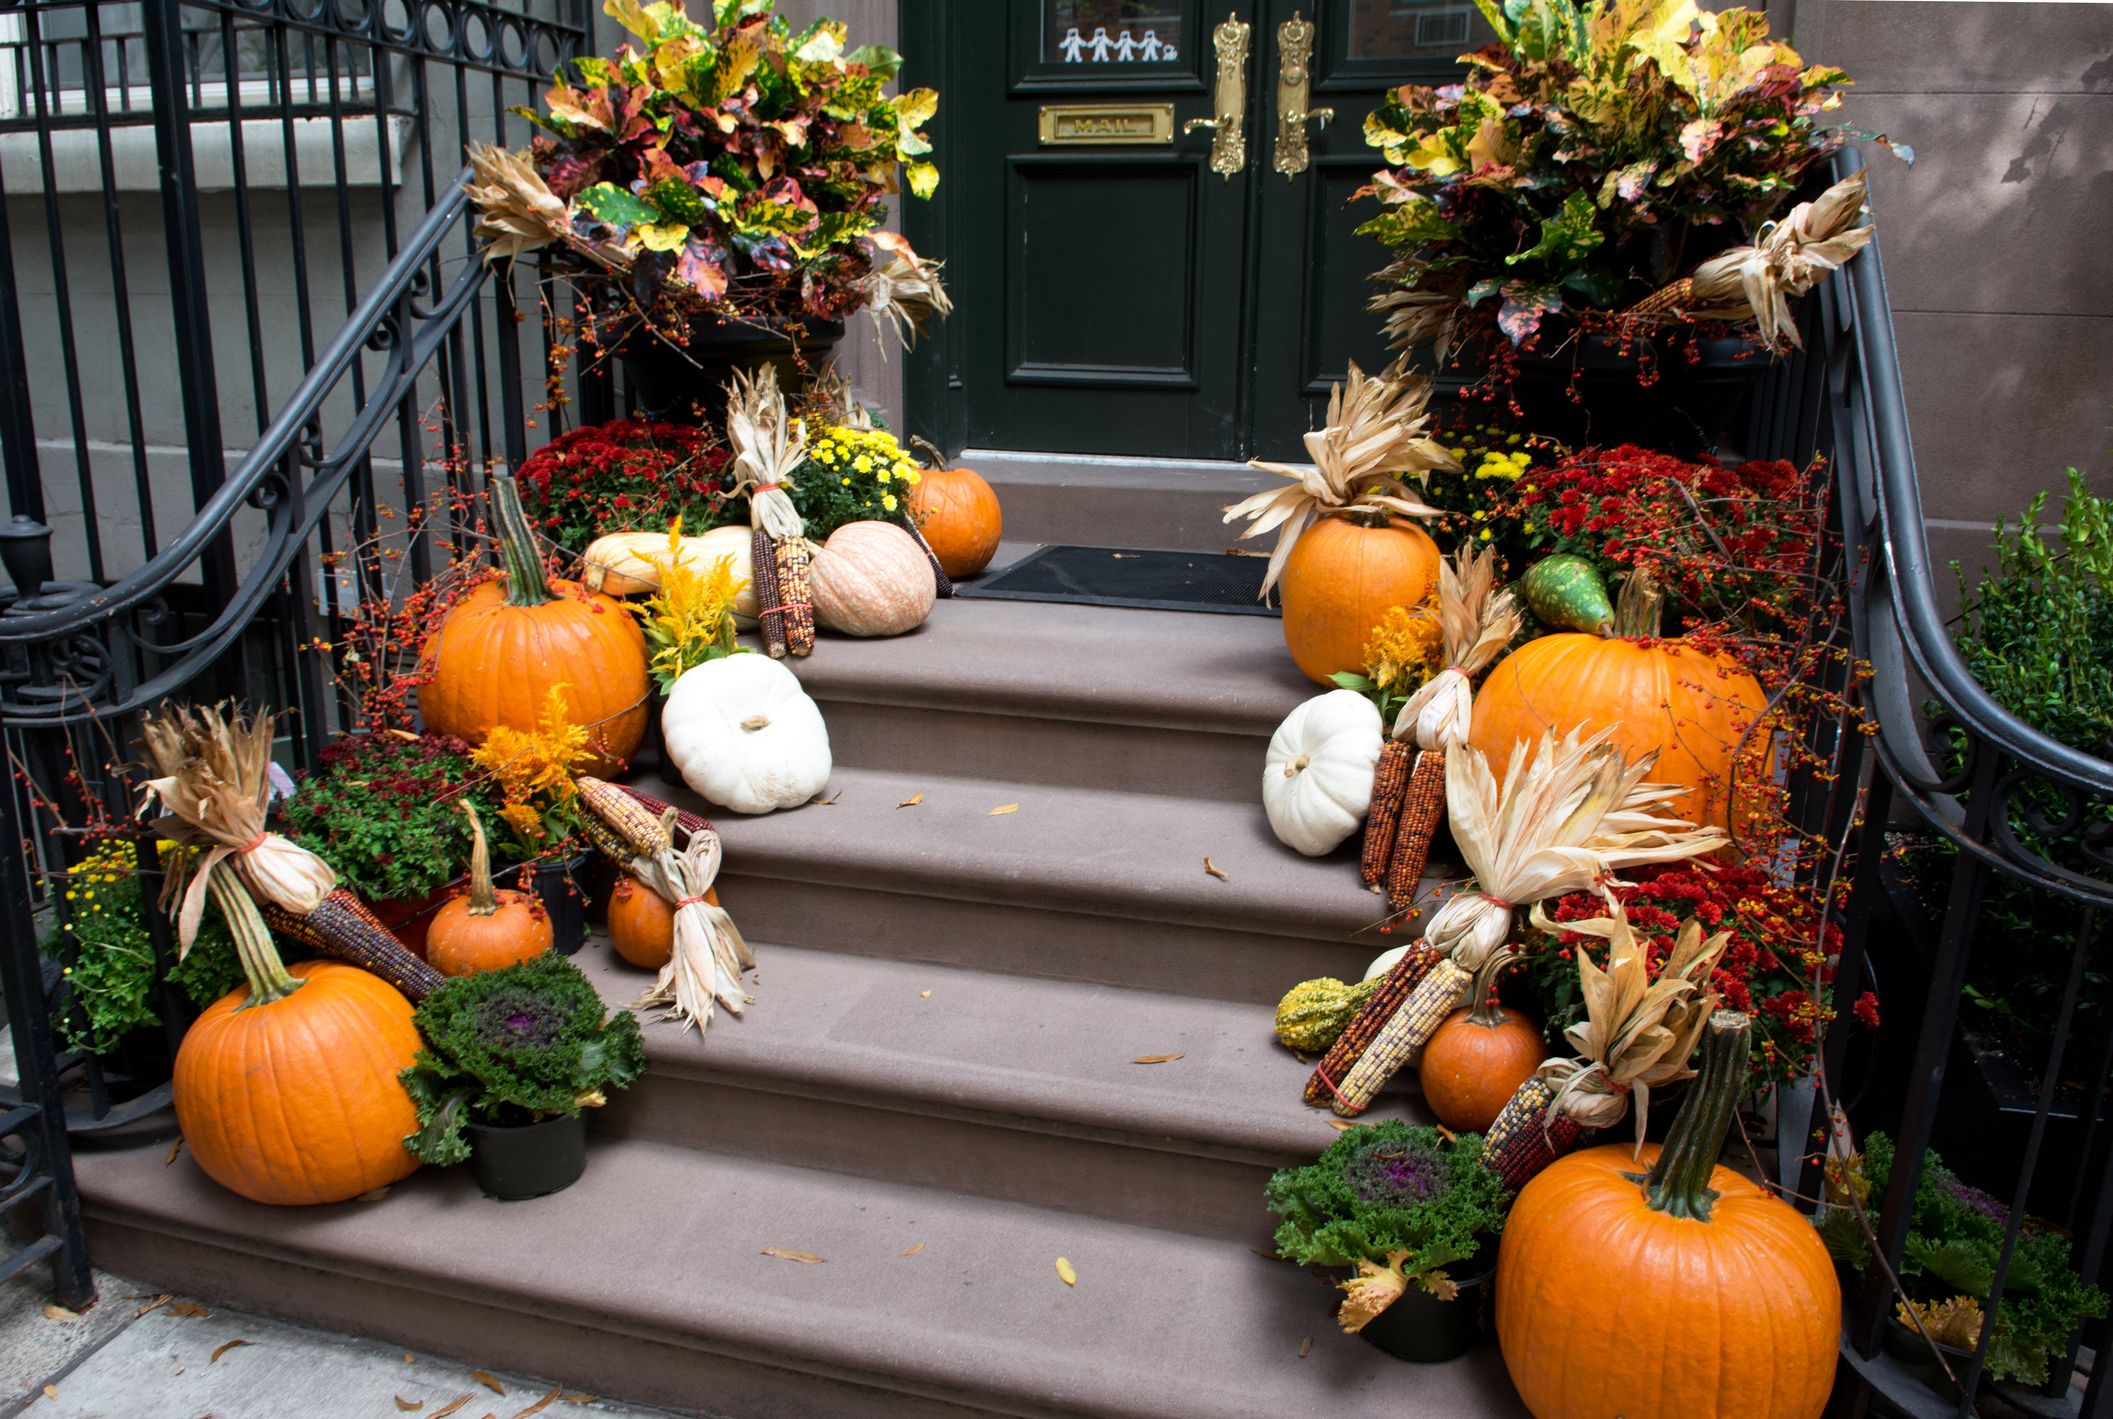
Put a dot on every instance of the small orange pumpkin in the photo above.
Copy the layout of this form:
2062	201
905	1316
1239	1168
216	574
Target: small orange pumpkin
506	645
1478	1057
1343	575
957	511
642	923
286	1090
484	928
1709	1297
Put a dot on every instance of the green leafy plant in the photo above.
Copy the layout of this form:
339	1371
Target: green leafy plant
106	951
514	1046
1398	1202
1955	1237
380	809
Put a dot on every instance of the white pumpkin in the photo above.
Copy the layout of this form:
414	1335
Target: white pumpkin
616	562
1317	780
871	579
744	734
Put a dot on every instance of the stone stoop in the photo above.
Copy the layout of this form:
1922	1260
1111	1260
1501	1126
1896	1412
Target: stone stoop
935	1087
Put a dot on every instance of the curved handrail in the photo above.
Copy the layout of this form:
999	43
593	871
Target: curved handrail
282	438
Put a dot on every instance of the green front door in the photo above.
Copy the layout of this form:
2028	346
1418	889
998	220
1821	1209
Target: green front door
1150	253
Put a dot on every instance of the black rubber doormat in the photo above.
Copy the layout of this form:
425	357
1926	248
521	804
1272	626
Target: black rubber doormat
1119	576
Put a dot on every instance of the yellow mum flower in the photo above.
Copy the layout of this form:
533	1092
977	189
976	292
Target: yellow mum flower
888	501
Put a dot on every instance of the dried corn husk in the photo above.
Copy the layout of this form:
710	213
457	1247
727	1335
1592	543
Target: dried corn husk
517	212
768	444
1374	436
709	953
1414	316
1476	621
212	781
904	292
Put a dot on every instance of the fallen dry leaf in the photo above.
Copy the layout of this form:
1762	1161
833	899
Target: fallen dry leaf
409	1406
914	1250
924	995
174	1149
154	1304
51	1391
804	1258
445	1410
1305	1347
1343	1123
489	1381
188	1308
409	1358
1002	809
230	1345
1126	556
578	1398
1156	1058
60	1313
542	1404
1066	1272
820	802
1215	870
374	1194
912	801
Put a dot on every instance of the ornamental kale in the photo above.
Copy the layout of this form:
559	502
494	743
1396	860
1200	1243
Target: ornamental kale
513	1046
1386	1189
380	808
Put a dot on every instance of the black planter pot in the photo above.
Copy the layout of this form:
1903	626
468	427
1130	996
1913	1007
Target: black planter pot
1422	1328
563	887
1698	388
686	384
520	1161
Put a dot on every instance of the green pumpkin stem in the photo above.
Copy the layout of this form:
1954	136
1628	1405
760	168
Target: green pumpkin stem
1639	608
1678	1182
483	900
527	584
269	980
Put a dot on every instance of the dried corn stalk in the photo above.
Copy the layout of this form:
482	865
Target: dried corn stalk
768	444
1476	621
1402	978
709	954
1390	783
1375	434
518	213
904	292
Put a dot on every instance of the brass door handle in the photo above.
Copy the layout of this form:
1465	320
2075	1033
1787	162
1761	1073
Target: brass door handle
1294	88
1229	128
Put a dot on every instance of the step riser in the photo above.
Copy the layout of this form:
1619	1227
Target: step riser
913	741
1218	1197
1215	963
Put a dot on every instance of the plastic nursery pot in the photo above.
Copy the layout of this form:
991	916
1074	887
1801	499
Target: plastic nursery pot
1906	1345
562	884
410	918
514	1162
1693	398
1422	1328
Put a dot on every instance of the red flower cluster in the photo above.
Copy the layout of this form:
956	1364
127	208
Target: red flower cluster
625	475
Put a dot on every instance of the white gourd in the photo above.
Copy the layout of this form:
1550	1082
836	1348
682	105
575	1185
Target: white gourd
871	579
1317	779
744	734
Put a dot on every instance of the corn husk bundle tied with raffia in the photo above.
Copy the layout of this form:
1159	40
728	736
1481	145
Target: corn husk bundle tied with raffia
1573	812
1638	1034
1375	436
768	444
709	954
212	783
1786	260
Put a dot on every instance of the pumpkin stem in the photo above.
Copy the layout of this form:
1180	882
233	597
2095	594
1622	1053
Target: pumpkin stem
1639	608
527	584
917	441
1486	1010
1298	765
1678	1182
269	980
483	900
755	722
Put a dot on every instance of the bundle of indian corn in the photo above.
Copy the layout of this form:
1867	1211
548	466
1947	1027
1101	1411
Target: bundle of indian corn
212	783
1570	812
1638	1034
624	823
680	862
768	444
1476	621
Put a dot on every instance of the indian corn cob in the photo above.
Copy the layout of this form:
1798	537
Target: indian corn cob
1403	1037
1528	1134
1390	781
1394	988
638	821
770	608
790	558
940	579
684	819
1422	807
340	926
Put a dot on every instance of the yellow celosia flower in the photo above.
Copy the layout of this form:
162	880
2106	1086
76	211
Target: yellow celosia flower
692	614
538	762
1404	648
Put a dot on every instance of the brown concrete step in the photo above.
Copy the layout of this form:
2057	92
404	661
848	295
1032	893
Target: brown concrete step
1075	884
1019	1089
1100	501
647	1279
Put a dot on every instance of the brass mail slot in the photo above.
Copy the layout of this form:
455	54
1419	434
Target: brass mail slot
1090	123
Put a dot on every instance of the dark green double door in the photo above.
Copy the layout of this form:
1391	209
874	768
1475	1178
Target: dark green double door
1130	278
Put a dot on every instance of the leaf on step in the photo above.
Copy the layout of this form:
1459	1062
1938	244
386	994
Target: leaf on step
913	800
409	1358
1342	1123
804	1258
1245	552
174	1149
489	1381
1215	870
924	995
578	1398
60	1313
227	1346
51	1391
1126	556
446	1409
1305	1347
914	1250
1066	1272
409	1406
1300	1056
542	1404
1157	1058
1002	809
188	1308
820	801
153	1304
373	1194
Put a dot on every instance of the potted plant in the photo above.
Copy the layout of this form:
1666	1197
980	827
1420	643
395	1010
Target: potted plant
381	809
722	184
1541	212
511	1059
1413	1216
534	772
625	476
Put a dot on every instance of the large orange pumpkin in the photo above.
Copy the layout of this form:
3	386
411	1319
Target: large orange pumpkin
502	649
485	928
1689	1293
1694	706
958	513
1476	1061
286	1090
1343	575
